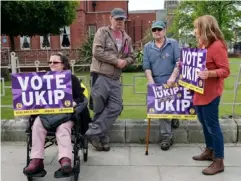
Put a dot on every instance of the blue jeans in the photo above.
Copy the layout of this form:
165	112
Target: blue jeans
208	117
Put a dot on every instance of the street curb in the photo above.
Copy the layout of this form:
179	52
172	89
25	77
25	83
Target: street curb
134	131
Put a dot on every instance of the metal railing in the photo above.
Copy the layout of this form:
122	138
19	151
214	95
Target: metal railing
26	57
16	67
236	87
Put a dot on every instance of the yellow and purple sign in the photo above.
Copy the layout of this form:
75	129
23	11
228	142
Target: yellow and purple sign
42	93
170	102
192	60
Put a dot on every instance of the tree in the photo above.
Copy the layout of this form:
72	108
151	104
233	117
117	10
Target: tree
227	13
35	17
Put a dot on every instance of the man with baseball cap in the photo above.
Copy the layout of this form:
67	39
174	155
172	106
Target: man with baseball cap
112	51
159	63
118	13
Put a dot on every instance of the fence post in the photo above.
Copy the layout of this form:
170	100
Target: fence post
13	62
36	62
2	91
236	86
72	62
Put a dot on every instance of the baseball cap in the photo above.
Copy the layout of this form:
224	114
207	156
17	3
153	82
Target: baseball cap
158	24
118	13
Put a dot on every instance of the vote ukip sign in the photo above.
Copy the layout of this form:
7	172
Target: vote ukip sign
170	102
193	60
42	92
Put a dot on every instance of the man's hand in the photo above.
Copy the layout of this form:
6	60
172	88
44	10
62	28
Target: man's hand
151	82
121	63
149	76
179	64
203	74
170	81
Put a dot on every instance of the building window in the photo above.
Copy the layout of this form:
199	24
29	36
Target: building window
92	30
65	37
25	43
45	42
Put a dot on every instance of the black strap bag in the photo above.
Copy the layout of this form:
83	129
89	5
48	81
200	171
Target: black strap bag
52	121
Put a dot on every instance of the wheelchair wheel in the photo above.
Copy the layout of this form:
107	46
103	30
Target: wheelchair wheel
76	169
30	178
29	142
85	154
85	149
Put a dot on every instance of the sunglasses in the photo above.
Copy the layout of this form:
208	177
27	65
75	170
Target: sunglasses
52	62
119	19
156	29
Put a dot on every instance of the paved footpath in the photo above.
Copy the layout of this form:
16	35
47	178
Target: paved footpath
127	163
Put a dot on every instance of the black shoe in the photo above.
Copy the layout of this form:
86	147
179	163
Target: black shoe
105	141
60	174
166	143
95	141
175	123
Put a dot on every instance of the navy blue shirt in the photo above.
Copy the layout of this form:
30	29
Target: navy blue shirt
161	61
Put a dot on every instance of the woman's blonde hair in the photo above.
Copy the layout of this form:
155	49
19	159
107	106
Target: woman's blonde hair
208	30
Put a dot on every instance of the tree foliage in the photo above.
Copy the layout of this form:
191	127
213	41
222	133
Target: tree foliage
85	51
227	13
36	17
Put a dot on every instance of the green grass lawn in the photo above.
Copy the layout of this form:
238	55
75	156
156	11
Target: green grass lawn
134	94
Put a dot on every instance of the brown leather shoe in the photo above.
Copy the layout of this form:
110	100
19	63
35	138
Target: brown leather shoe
65	165
216	167
206	155
35	166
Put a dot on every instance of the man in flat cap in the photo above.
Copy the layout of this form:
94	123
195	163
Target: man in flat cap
112	51
159	63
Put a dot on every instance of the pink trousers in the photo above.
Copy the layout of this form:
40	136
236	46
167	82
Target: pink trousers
63	137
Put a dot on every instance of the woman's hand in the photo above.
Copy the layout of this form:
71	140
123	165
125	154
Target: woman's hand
203	74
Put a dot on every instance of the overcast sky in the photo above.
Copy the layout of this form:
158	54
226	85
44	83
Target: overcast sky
146	4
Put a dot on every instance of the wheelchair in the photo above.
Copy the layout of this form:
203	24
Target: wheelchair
78	139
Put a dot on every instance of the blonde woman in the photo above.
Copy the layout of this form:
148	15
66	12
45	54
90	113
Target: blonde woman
209	36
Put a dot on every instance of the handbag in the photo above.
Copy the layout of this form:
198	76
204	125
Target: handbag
52	121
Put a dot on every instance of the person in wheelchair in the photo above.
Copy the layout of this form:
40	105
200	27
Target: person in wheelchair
57	62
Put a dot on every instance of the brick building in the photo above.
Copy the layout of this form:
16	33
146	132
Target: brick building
90	15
